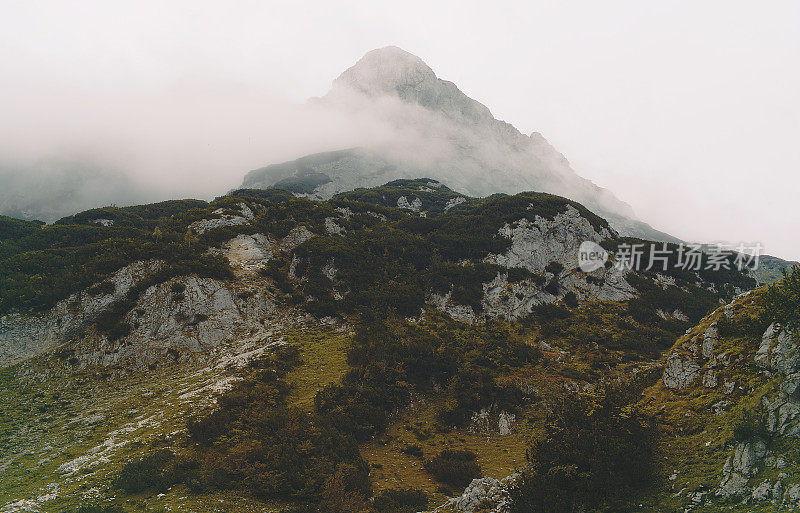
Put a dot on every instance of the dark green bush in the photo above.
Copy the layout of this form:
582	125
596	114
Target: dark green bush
783	300
742	326
554	267
571	300
751	427
102	288
454	468
475	389
596	451
413	450
147	473
11	228
400	500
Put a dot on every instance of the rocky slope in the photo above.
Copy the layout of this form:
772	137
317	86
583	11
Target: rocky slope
24	336
110	371
728	412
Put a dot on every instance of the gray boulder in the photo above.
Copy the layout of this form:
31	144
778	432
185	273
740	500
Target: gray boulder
680	371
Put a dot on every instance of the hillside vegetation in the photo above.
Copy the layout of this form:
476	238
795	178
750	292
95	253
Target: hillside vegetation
360	392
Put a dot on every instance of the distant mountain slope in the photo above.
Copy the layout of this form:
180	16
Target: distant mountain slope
771	269
55	188
440	133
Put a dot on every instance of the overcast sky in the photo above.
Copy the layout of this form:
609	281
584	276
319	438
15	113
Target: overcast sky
687	110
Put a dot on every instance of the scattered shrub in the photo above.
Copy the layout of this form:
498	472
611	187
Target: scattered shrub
783	300
554	267
401	500
454	468
595	451
146	473
413	450
751	427
742	326
552	287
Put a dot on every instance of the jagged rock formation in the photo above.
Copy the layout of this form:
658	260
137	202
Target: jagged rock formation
535	246
24	335
183	316
680	372
740	467
445	135
225	219
484	495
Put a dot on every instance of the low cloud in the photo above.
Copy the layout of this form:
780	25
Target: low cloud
63	151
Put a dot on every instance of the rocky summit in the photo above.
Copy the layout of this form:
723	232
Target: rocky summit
440	133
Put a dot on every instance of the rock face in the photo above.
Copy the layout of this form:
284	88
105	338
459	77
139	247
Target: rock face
535	246
682	368
710	379
182	316
743	464
783	413
484	495
710	337
505	423
247	253
777	351
444	135
444	303
680	372
415	205
23	336
512	300
224	219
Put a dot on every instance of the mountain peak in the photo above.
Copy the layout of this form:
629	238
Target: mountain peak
386	70
392	71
